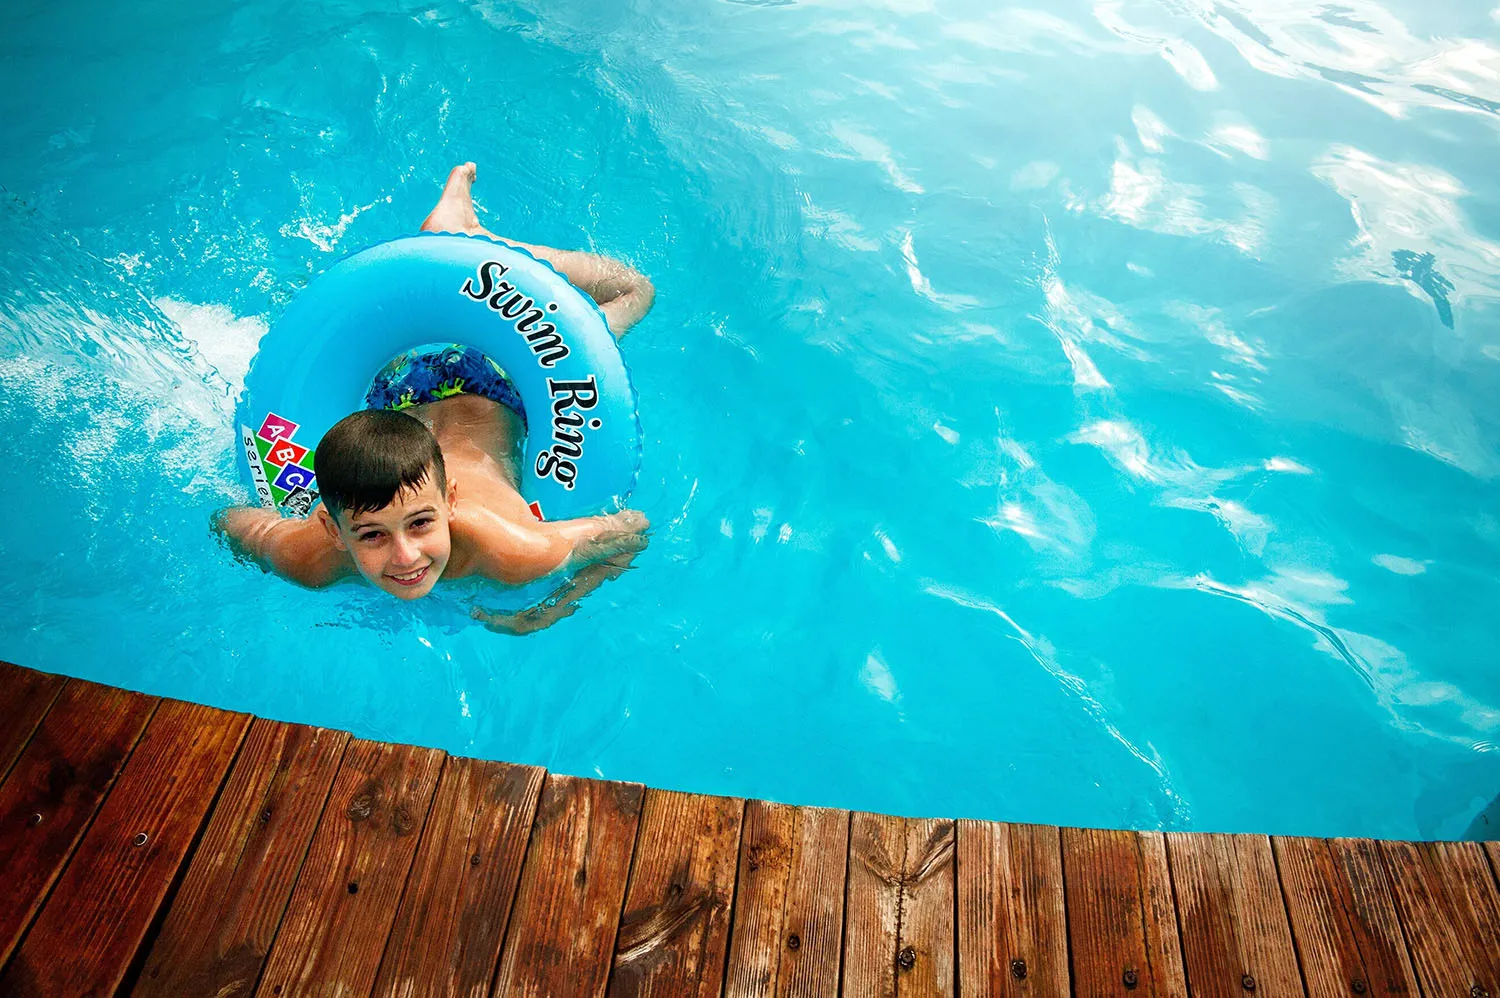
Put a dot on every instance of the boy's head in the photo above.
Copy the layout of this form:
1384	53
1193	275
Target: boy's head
387	499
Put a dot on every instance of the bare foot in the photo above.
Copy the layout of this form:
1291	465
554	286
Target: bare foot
454	211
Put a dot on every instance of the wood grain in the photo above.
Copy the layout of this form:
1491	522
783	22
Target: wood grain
334	930
674	933
1235	933
872	905
1374	916
224	917
898	910
1445	896
25	697
1121	920
86	937
562	931
927	911
54	789
1012	925
447	934
1343	944
789	903
1159	917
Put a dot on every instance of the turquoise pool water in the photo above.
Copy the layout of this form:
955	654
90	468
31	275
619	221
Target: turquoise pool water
1080	412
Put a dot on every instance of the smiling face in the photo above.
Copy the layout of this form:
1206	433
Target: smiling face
402	547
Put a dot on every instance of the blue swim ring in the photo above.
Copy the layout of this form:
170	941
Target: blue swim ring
317	363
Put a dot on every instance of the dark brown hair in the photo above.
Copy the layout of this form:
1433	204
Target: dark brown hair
371	457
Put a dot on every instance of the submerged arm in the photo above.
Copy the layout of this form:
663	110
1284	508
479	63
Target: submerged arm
299	550
562	602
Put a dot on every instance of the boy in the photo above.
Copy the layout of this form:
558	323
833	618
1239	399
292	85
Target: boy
432	491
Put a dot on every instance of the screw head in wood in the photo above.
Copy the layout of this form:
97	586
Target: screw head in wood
35	819
1131	979
1247	982
794	941
1358	986
1018	969
907	958
353	887
140	839
1478	991
474	859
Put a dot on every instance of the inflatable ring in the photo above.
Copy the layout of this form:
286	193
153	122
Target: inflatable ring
316	365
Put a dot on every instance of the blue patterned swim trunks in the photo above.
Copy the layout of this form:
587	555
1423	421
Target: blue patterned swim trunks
431	374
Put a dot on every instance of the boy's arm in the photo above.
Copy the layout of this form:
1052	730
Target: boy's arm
299	550
623	293
563	602
516	555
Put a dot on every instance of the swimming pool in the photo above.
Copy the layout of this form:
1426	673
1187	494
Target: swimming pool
1081	413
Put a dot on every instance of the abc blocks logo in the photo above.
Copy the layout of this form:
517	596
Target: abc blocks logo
288	465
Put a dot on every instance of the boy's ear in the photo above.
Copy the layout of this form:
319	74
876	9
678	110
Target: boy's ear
452	491
326	518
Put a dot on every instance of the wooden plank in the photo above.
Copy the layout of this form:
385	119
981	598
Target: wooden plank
872	904
1012	925
1235	933
1343	918
1446	898
562	932
224	916
1374	915
336	923
674	933
25	696
86	937
898	911
53	790
925	957
1322	928
447	934
1121	921
1159	915
789	903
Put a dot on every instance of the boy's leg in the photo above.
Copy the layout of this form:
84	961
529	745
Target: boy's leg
486	424
624	295
454	211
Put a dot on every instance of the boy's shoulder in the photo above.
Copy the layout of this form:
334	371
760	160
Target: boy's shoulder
489	544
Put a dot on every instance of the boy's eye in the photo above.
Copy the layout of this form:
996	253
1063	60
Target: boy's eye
420	523
373	535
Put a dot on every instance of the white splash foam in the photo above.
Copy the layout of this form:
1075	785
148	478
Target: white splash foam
225	340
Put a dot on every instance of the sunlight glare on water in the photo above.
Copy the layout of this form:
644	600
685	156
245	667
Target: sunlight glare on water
1081	413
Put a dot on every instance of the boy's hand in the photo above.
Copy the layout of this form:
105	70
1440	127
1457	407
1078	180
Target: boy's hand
524	622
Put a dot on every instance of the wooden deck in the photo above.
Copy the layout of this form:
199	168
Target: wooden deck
153	847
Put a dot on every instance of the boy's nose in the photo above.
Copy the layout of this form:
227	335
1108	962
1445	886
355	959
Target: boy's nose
405	551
